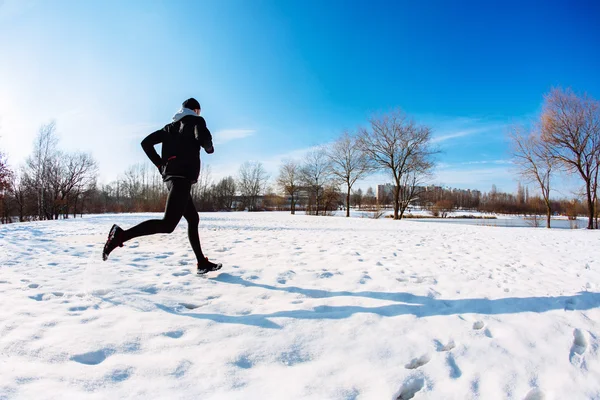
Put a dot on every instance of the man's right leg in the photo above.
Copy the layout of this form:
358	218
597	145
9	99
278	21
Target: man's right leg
179	191
176	201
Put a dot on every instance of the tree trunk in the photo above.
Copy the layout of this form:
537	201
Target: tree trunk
396	200
293	207
348	203
590	206
548	213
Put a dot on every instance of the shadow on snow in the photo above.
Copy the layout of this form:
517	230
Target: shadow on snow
408	304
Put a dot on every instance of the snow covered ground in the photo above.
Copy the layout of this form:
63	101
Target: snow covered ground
304	308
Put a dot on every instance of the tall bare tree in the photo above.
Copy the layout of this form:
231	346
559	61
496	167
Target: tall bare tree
252	181
80	174
535	162
288	181
571	129
315	174
396	144
349	163
40	164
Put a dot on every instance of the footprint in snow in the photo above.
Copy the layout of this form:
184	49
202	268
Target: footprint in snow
535	394
182	273
46	296
119	375
189	306
174	334
243	362
478	325
92	358
444	347
578	348
488	333
418	362
182	369
410	387
285	276
33	286
151	289
78	308
455	371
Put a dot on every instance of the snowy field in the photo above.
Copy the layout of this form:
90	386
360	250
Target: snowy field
304	308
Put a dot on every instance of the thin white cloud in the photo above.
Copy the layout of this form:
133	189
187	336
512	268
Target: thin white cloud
227	135
454	135
497	162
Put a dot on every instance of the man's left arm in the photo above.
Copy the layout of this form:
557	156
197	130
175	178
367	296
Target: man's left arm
203	136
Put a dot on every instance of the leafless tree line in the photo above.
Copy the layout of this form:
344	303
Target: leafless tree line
565	138
441	201
392	143
52	183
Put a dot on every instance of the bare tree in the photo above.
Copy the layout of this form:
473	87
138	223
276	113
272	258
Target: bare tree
411	183
80	174
289	181
571	129
6	177
131	187
5	173
398	145
39	166
369	198
201	190
252	181
224	193
315	174
349	163
535	163
357	198
24	195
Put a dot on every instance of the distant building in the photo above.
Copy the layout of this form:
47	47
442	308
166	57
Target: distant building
385	192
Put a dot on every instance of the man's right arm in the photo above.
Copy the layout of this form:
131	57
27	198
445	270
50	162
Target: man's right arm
148	145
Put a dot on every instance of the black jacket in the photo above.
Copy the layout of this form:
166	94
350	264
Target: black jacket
181	142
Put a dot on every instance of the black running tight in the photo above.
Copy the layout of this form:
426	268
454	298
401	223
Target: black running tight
179	203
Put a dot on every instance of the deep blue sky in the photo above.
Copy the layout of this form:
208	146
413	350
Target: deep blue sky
277	77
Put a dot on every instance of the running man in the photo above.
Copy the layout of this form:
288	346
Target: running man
179	166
